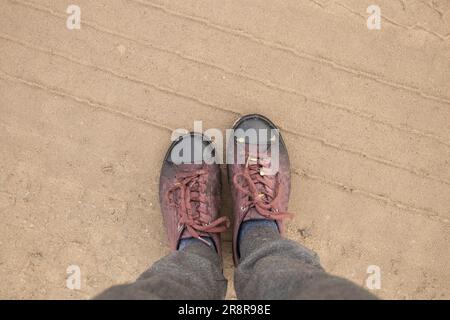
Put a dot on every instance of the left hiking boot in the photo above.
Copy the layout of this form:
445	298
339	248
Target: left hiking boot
190	193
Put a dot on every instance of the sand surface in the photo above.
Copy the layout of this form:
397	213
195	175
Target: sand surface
86	117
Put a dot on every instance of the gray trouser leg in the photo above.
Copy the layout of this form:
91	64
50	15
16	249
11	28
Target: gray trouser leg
195	272
276	268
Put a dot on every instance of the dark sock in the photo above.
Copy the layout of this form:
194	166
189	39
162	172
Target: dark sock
184	243
254	232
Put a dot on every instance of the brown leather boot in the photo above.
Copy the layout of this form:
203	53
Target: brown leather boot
257	191
189	193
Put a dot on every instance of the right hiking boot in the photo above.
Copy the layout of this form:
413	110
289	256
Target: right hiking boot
190	193
258	190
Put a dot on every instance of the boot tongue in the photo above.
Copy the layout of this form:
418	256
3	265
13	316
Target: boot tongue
252	212
253	215
187	168
261	187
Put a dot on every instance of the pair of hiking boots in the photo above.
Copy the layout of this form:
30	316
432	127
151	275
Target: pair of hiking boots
190	191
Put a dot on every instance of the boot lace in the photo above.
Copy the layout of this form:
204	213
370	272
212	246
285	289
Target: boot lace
191	205
260	188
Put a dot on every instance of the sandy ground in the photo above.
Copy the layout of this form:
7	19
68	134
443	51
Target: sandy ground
86	117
